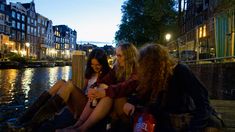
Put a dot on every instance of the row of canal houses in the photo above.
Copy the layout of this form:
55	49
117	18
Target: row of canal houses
28	33
207	27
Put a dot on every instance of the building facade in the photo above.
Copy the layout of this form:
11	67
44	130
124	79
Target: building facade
5	45
45	37
206	28
65	41
18	27
30	34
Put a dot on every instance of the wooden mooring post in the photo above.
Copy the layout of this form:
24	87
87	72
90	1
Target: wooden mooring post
78	68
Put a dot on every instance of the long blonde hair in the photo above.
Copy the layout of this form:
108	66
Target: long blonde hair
130	54
155	68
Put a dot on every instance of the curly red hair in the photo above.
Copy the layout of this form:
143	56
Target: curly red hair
155	68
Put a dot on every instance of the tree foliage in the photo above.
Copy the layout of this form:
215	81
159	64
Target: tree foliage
147	21
222	5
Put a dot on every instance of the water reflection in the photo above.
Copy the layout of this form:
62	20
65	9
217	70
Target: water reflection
7	85
24	85
26	81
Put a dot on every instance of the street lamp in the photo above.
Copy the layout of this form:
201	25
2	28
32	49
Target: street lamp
27	46
168	37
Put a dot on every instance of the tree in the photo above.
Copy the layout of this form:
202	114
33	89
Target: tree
222	5
146	21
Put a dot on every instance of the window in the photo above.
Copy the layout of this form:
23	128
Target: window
13	14
200	32
57	46
204	31
18	25
35	31
1	28
7	18
31	30
38	31
23	36
2	16
2	7
18	36
13	34
13	23
28	20
23	18
66	46
28	29
43	30
23	26
18	16
39	20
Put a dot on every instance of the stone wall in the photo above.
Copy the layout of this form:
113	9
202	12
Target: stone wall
219	78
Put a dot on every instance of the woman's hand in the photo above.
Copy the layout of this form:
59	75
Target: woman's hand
102	85
128	109
96	93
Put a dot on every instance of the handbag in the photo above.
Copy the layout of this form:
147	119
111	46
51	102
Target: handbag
144	122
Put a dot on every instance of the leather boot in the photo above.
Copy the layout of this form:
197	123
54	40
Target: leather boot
34	107
47	111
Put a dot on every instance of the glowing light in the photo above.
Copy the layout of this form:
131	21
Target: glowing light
168	37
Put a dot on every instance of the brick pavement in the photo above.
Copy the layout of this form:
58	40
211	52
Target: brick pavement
226	109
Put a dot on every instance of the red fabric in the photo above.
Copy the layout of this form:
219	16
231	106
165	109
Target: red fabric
144	122
118	89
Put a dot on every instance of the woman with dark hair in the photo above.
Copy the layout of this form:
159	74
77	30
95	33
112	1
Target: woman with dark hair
172	93
112	90
66	93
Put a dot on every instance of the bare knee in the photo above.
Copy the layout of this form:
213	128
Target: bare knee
56	87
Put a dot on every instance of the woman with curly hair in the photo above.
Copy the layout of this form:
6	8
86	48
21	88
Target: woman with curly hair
172	93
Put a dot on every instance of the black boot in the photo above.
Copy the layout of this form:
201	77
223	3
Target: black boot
34	107
55	104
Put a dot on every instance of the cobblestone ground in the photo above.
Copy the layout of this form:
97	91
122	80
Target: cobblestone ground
226	109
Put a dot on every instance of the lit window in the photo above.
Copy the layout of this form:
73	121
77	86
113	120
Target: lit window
200	32
204	31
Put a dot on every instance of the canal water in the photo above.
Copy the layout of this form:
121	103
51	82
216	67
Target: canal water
20	87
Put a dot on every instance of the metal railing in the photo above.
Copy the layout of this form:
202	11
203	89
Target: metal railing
210	60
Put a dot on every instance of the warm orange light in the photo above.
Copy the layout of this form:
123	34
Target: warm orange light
200	32
204	31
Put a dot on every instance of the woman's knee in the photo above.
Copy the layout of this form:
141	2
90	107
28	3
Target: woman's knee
56	87
106	101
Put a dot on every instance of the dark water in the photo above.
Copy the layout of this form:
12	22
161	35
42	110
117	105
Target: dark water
20	87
